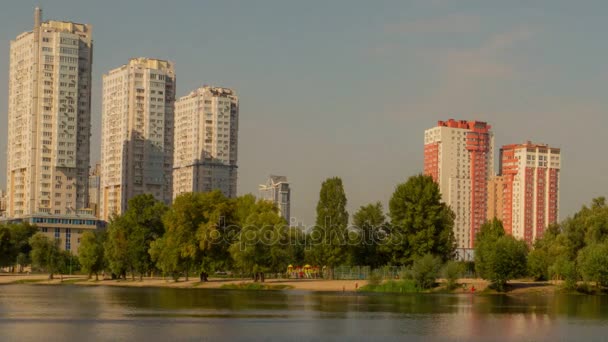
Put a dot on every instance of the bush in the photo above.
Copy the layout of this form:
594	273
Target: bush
375	278
592	262
538	264
425	270
451	272
393	286
564	269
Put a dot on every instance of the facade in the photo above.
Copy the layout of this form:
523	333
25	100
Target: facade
94	193
2	203
496	186
49	119
66	228
531	188
206	141
278	191
459	157
137	133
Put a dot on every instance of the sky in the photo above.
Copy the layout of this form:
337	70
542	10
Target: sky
346	88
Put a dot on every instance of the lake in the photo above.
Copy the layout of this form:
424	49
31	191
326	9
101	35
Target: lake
84	313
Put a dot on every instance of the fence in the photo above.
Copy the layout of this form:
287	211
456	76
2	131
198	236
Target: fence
363	272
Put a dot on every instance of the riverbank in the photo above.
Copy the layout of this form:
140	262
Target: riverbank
320	285
213	283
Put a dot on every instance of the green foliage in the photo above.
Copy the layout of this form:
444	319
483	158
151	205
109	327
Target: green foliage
260	246
130	236
255	287
451	272
499	258
375	278
91	253
592	262
564	269
420	222
46	254
330	231
200	227
538	264
371	231
14	244
425	270
393	286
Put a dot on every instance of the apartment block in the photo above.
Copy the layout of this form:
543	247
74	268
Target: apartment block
2	203
137	133
94	189
496	189
458	155
206	141
49	119
278	191
531	175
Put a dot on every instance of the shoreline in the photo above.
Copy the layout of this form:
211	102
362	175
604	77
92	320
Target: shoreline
519	287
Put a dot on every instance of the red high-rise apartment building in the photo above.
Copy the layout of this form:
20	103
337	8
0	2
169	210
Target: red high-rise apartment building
459	157
531	189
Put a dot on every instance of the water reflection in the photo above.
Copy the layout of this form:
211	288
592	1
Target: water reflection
113	313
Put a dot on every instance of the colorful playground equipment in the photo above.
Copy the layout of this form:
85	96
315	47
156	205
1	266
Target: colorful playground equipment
303	272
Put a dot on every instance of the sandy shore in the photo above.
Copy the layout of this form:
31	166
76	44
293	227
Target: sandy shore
296	284
517	287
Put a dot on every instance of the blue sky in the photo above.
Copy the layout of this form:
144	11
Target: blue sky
346	88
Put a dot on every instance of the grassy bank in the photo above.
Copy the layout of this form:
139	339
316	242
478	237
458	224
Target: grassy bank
255	286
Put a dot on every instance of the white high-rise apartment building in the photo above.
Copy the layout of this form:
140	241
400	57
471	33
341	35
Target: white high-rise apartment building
459	157
278	191
206	141
137	133
49	119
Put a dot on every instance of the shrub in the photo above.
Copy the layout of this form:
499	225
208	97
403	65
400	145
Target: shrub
451	272
425	270
538	264
564	269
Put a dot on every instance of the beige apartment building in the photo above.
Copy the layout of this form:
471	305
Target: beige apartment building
206	141
49	125
49	119
137	133
496	189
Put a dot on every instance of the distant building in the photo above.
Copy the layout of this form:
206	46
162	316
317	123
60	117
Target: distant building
137	133
49	118
459	157
278	191
206	141
2	202
94	187
531	188
496	188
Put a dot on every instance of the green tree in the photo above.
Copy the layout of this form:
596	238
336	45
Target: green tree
297	245
6	247
425	270
564	269
592	262
262	242
91	253
420	222
131	234
199	229
46	254
499	258
329	235
488	234
370	227
20	236
538	264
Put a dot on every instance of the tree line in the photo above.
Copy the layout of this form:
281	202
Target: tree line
204	233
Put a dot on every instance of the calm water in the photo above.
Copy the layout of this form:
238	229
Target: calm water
78	313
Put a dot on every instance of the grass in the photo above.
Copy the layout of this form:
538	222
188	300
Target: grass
255	286
28	281
393	286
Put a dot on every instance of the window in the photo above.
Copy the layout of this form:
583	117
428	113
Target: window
57	232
